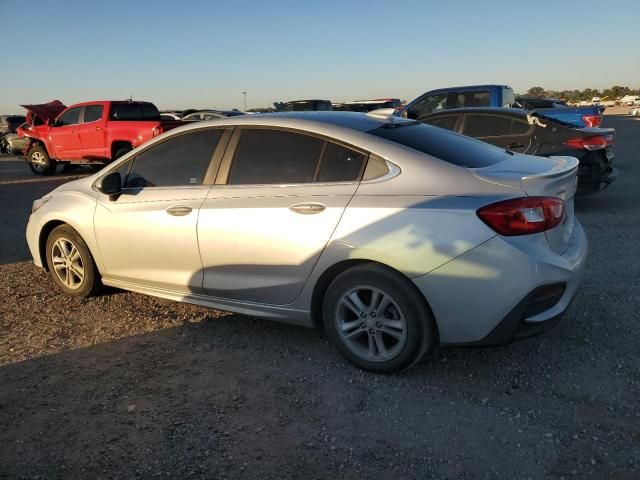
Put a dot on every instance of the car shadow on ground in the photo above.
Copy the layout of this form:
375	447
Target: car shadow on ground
234	395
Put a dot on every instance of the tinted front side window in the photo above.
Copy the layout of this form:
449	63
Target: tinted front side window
92	113
70	117
443	144
182	160
340	164
479	126
132	111
519	127
275	157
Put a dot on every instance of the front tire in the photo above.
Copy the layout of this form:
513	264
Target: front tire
378	320
70	263
40	162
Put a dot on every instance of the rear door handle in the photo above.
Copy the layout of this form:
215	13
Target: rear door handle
307	208
179	211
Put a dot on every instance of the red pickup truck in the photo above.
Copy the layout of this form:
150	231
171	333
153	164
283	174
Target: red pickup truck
87	133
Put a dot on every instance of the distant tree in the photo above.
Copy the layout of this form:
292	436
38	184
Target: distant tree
537	92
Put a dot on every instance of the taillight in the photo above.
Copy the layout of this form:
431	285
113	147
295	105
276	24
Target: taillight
592	120
523	216
157	130
595	142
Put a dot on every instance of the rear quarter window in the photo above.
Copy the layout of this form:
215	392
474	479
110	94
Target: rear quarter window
443	144
132	111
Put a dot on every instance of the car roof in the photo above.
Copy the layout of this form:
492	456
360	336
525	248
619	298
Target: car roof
546	99
509	111
353	120
467	88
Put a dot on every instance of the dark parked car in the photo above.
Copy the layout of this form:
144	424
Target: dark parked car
303	106
366	106
200	115
540	102
532	133
9	123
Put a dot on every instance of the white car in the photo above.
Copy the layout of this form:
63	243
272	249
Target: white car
635	111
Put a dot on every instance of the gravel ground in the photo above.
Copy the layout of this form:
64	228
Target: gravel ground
123	385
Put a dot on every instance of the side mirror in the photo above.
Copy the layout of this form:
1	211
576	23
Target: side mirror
111	184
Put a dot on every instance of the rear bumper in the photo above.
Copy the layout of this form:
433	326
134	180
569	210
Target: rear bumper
515	325
487	296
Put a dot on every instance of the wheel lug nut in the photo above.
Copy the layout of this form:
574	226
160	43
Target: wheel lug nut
373	314
363	315
362	325
371	330
378	324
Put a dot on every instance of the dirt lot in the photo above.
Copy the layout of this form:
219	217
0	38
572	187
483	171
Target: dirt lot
123	385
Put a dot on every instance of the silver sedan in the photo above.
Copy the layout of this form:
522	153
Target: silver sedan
395	236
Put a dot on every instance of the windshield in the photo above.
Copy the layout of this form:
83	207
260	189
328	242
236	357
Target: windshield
443	144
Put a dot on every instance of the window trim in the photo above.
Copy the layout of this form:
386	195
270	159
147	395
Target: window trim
210	172
222	178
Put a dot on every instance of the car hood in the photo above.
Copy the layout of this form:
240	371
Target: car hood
47	111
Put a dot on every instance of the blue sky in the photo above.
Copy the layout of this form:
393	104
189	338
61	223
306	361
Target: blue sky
205	53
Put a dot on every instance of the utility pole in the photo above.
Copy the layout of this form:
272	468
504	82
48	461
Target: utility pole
244	95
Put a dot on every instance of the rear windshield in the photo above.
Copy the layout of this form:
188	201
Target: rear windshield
132	111
443	144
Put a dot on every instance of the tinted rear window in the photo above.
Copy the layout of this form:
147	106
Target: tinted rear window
443	144
134	112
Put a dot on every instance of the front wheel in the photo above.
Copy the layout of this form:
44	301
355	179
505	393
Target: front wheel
378	319
70	263
39	161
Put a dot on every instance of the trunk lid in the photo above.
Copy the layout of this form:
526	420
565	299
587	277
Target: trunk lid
538	176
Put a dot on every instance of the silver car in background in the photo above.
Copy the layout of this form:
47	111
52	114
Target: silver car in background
396	236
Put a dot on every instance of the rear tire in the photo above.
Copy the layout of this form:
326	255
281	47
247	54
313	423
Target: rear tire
121	151
71	264
39	161
378	320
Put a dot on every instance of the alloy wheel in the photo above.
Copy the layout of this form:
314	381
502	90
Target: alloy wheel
38	161
371	324
67	263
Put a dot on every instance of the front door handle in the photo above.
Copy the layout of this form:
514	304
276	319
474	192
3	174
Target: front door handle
307	208
179	211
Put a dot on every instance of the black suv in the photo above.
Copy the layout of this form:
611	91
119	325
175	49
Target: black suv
303	106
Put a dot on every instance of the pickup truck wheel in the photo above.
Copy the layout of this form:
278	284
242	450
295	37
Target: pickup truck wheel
121	151
39	161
